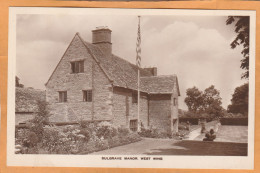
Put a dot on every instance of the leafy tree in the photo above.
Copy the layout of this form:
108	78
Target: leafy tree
212	102
239	101
207	102
242	38
194	99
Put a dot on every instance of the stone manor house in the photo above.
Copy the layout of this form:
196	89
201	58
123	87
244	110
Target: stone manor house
91	83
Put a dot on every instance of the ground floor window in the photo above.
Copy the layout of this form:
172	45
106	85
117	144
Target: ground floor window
62	96
133	125
87	95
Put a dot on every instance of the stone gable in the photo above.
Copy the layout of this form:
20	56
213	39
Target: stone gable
63	79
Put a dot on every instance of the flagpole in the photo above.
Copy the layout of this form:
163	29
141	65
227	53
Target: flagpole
138	79
138	104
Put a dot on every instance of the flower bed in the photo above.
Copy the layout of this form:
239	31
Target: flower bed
73	139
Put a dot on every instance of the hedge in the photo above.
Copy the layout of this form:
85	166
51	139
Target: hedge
193	121
234	121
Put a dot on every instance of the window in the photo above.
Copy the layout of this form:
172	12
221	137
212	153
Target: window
77	66
174	102
133	125
87	96
134	97
62	96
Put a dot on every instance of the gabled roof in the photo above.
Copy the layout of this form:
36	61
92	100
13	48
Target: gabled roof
124	74
159	84
121	72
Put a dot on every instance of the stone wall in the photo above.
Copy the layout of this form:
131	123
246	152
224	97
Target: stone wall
124	110
74	83
23	117
160	112
102	95
175	113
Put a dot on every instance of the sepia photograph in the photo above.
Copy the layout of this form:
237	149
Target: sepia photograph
131	88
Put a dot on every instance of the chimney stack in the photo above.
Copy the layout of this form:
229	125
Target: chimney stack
101	37
152	70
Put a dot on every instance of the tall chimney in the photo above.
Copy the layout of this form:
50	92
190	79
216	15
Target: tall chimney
101	37
152	70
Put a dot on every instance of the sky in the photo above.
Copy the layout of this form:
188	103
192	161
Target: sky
195	48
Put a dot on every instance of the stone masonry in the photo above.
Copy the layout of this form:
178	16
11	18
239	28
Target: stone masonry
111	96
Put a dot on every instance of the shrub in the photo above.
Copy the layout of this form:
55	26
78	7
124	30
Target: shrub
86	134
123	131
133	137
145	132
73	139
33	139
56	142
114	141
83	124
41	118
153	133
105	130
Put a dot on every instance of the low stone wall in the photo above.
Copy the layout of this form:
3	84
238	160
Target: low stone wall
23	117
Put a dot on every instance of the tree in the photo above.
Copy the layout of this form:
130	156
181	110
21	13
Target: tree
212	102
239	101
242	29
194	99
207	102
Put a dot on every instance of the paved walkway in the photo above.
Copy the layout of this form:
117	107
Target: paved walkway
171	147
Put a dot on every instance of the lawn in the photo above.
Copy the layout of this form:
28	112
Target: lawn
238	134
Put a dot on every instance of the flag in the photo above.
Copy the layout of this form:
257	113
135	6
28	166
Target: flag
138	45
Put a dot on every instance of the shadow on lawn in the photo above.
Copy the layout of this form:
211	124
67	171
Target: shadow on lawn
203	148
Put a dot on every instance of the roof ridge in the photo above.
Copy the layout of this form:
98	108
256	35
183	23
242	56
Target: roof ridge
170	75
112	59
129	62
95	58
123	59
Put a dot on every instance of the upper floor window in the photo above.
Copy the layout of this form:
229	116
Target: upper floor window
62	96
87	96
77	66
134	97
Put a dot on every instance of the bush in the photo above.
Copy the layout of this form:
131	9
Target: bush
105	130
33	139
83	124
123	131
133	137
41	118
114	141
86	134
153	133
145	132
73	139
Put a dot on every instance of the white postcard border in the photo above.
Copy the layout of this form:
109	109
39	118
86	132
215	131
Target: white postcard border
200	162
